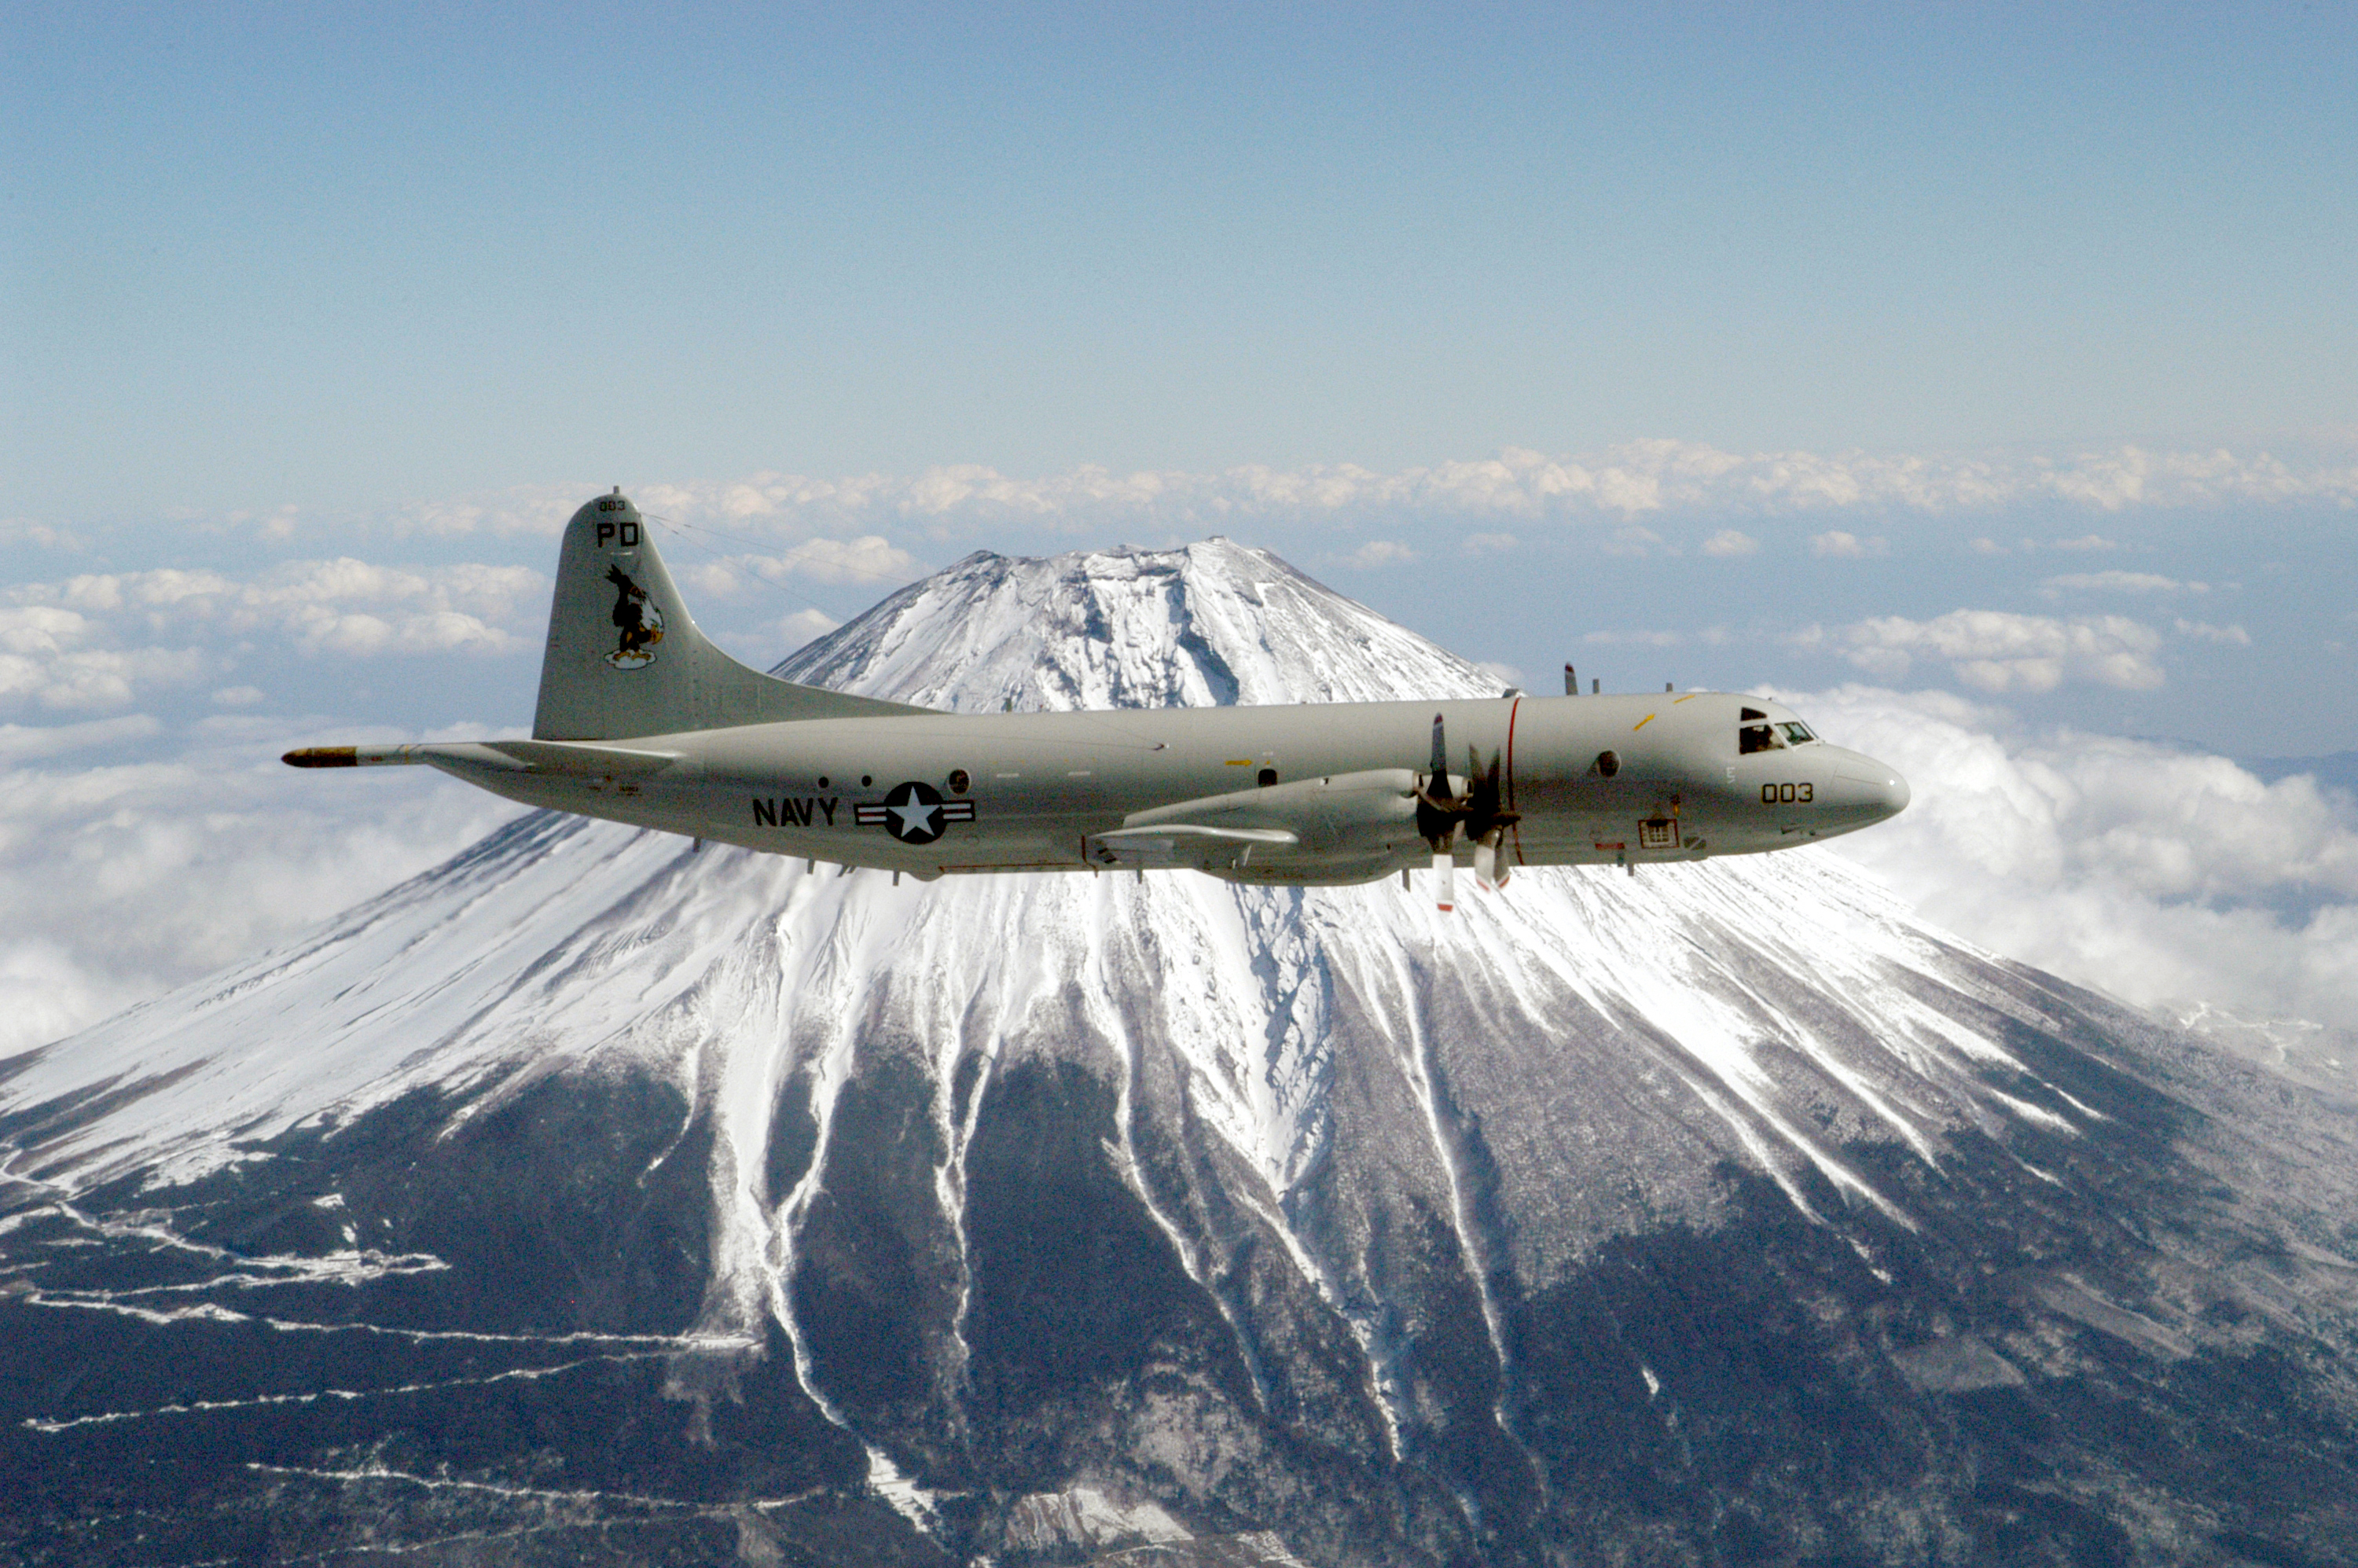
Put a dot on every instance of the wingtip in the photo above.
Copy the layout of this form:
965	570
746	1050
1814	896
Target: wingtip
324	757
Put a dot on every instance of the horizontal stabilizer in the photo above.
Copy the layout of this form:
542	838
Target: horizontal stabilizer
480	758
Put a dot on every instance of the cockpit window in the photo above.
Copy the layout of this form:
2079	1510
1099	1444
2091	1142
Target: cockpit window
1756	732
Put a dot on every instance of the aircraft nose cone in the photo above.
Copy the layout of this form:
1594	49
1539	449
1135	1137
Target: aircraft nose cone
1895	795
1867	791
1879	788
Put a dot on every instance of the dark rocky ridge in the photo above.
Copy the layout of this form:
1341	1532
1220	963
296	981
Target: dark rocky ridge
596	1201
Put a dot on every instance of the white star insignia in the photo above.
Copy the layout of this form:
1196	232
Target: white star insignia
916	817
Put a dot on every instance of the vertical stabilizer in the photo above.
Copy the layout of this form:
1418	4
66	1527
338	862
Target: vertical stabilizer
624	658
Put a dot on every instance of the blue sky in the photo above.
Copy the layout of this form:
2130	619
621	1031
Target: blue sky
1987	375
342	254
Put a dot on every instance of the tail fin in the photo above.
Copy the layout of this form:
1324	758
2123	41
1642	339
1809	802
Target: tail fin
625	659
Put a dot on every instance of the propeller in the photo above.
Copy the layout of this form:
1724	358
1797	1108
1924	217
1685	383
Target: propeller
1480	813
1438	815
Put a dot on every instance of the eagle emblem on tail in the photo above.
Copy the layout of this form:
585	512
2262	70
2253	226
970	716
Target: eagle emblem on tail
639	621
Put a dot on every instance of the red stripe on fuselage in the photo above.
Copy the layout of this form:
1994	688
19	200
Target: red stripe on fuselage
1516	832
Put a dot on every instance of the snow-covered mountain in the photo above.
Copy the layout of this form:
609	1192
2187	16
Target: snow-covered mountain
597	1193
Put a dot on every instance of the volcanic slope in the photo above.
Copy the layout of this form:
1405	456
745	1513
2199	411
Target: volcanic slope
597	1197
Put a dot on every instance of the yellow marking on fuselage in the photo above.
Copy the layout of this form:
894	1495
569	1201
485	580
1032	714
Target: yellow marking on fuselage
1238	762
1641	724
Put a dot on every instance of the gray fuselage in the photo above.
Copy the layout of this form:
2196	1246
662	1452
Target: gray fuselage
1040	785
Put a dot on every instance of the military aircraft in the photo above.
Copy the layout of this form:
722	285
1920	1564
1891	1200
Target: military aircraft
643	720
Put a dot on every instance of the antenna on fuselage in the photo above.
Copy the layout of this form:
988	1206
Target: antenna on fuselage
1571	681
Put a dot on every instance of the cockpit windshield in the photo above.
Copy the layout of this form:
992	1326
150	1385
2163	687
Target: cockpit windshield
1758	732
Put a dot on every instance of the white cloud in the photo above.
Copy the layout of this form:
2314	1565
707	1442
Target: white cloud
291	596
58	658
137	876
44	993
1380	553
99	640
2162	876
25	532
868	559
1731	541
2118	582
1620	483
2204	632
1489	544
1631	540
1838	543
804	626
1507	676
1997	651
40	630
24	742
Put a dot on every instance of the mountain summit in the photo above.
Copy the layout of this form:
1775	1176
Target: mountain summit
596	1193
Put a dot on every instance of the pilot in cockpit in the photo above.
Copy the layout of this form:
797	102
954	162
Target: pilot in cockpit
1760	734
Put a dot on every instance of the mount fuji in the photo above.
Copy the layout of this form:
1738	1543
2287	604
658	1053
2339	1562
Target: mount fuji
600	1197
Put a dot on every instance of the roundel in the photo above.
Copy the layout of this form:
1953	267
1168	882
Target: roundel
912	812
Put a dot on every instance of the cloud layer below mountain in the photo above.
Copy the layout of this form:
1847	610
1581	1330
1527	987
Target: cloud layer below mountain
2167	877
129	875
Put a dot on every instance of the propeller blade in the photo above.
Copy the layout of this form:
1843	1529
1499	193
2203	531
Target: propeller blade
1438	809
1502	862
1481	809
1485	865
1444	866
